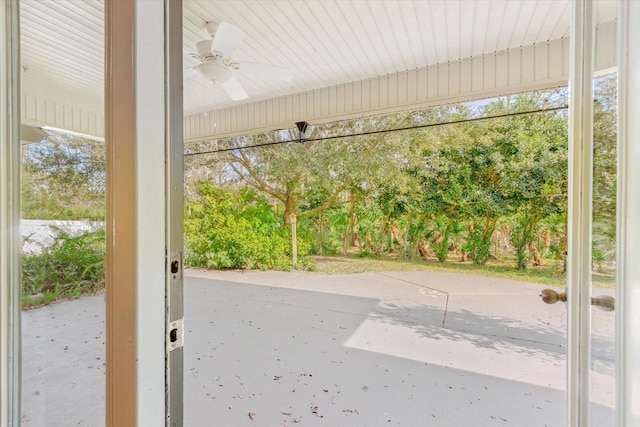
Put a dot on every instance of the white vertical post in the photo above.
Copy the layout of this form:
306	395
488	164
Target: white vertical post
628	220
579	224
10	290
10	286
140	105
294	240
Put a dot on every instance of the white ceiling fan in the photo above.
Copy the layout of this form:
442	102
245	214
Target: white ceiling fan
216	64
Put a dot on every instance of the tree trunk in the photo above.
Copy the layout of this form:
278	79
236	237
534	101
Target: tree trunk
345	242
536	255
353	226
422	249
405	237
369	242
290	207
381	236
546	236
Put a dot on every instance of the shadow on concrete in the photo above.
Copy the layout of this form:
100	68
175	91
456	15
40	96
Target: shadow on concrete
499	333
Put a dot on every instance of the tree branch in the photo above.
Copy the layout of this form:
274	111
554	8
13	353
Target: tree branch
330	201
256	181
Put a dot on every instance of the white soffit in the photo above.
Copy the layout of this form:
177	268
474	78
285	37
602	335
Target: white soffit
329	43
62	45
62	57
326	43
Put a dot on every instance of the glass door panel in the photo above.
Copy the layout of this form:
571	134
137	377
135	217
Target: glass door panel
603	334
62	226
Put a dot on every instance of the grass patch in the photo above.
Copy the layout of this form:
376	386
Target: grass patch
548	274
70	268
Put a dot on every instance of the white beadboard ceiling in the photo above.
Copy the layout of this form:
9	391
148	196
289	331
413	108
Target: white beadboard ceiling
325	42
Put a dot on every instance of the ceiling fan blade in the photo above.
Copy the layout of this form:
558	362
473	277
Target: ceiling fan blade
274	72
188	72
226	39
234	89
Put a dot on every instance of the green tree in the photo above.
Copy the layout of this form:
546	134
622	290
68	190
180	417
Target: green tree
604	168
535	157
447	188
63	177
224	229
487	200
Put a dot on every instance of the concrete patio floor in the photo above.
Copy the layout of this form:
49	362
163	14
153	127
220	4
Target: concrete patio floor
303	349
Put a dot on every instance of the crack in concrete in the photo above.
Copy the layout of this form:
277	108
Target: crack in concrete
446	303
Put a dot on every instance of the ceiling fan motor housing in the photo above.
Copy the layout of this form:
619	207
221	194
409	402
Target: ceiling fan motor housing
214	70
216	64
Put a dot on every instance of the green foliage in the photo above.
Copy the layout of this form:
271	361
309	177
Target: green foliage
548	274
71	267
365	254
604	170
224	229
51	208
478	245
604	242
521	237
409	191
63	178
446	228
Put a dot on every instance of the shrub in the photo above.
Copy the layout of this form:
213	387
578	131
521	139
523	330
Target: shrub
478	245
71	267
224	230
521	237
449	230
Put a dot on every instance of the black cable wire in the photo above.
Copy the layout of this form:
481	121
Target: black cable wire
376	132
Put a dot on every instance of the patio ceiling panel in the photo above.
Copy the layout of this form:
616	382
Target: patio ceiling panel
435	20
330	43
348	57
460	50
64	43
543	65
62	54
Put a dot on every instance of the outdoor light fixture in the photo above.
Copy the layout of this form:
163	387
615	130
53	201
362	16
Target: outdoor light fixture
302	127
214	69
